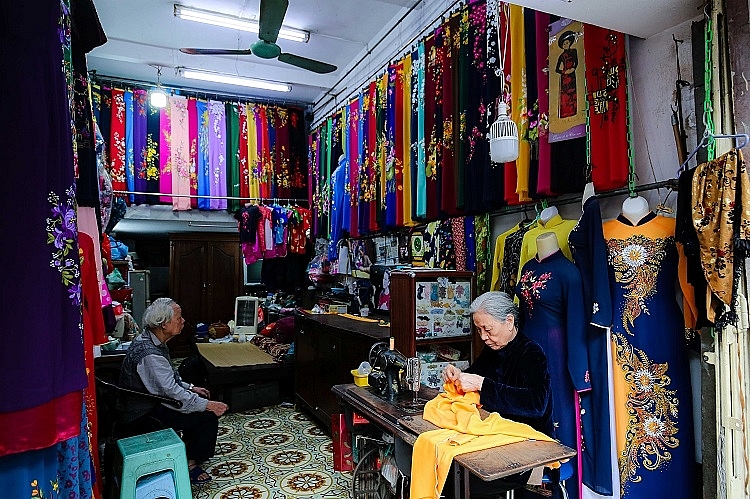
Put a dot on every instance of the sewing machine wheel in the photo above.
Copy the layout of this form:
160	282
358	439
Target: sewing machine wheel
367	482
376	350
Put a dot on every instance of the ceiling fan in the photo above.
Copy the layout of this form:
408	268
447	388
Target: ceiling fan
272	14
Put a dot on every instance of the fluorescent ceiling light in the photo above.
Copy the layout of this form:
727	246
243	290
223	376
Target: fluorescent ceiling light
226	21
197	74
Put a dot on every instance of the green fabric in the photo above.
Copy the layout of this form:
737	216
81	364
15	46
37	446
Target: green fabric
233	163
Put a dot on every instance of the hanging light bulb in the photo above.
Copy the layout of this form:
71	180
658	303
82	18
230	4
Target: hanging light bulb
503	137
157	96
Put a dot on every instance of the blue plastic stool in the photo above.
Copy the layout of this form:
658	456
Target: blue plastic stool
152	453
566	471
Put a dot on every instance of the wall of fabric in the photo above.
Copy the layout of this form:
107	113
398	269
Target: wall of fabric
213	148
413	142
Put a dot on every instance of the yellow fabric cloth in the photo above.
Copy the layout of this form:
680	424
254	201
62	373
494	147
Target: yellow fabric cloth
408	222
556	224
252	152
463	430
518	111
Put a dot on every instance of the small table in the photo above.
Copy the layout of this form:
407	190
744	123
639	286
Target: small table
490	464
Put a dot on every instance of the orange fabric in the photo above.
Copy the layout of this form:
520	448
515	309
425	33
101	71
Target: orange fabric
463	430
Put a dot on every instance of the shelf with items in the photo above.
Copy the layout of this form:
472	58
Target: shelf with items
430	318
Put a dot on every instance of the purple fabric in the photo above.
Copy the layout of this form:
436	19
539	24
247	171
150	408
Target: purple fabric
41	347
140	99
217	150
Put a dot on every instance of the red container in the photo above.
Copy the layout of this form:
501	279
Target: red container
342	444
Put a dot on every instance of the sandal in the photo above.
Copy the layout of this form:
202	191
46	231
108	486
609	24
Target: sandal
195	475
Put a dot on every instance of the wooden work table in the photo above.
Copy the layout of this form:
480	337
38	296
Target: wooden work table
404	421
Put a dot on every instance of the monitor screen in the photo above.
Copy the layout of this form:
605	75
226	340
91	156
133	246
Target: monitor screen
252	273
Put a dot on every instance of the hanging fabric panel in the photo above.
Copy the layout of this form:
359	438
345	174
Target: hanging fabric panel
607	95
391	202
462	72
398	145
252	153
117	141
129	156
204	164
476	144
232	155
432	122
153	163
180	152
406	138
353	149
194	126
518	102
140	143
449	128
242	153
421	142
165	154
217	155
544	176
492	174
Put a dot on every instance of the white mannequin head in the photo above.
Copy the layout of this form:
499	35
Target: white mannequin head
634	209
547	214
546	244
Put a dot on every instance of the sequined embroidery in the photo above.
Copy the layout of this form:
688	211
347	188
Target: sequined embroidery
652	413
636	262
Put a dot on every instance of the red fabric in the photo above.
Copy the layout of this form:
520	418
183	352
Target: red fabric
41	426
117	142
280	120
93	334
449	57
607	95
193	138
264	154
243	155
544	175
354	117
106	247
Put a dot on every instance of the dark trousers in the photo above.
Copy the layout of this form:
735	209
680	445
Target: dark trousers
199	430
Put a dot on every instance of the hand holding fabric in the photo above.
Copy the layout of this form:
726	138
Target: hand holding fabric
451	373
467	382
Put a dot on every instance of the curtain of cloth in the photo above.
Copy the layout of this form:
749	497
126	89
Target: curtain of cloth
194	126
165	153
204	168
180	152
242	153
117	140
406	138
153	163
252	153
372	158
39	406
217	150
274	159
140	148
283	174
129	155
606	86
544	176
353	148
492	177
449	64
391	201
232	157
431	126
518	100
398	144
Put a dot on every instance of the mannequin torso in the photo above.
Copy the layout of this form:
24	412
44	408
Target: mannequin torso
546	244
634	209
547	214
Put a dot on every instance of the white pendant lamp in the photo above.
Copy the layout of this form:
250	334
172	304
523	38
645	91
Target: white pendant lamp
503	134
158	97
503	137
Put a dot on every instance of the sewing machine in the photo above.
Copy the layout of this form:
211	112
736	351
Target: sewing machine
393	375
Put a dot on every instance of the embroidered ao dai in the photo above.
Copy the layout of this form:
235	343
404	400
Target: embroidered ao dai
653	412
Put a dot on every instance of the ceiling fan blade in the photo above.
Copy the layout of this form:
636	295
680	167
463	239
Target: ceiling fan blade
272	14
309	64
194	51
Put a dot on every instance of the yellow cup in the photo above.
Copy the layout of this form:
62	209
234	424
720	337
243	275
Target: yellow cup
359	379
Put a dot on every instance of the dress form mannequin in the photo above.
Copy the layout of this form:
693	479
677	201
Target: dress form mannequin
547	214
588	191
634	209
546	244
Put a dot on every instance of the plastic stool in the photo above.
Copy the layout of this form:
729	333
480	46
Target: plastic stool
566	471
151	453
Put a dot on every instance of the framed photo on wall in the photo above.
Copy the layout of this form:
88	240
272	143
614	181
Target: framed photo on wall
416	247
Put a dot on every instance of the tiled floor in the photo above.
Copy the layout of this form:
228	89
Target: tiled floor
274	452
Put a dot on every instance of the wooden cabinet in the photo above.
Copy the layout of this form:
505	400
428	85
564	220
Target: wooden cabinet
430	315
327	348
205	276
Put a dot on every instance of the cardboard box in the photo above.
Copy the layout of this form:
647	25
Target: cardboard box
342	444
337	309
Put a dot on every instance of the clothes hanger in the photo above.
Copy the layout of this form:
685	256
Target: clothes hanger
706	140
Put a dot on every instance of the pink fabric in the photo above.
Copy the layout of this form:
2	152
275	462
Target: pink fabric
165	154
180	152
544	176
88	225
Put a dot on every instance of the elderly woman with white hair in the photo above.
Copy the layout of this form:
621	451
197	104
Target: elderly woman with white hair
147	367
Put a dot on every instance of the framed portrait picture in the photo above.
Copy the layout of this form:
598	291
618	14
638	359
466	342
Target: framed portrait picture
416	247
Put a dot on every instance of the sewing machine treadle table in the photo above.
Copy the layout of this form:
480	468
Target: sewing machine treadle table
406	423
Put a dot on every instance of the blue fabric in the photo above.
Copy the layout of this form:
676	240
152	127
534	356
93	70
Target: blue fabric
204	175
516	383
390	160
551	301
337	209
346	215
590	257
64	470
